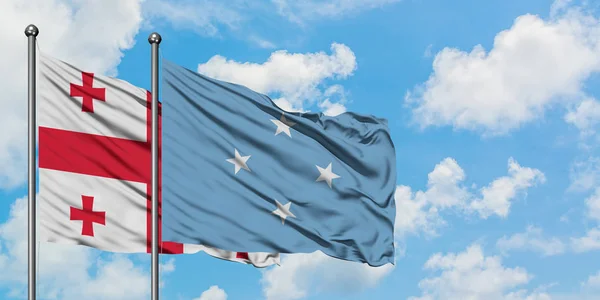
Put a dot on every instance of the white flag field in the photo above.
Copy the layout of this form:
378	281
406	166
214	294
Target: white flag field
95	165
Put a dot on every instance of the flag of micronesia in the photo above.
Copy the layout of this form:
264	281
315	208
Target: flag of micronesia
241	174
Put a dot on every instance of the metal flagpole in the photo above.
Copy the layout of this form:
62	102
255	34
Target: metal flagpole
31	32
154	40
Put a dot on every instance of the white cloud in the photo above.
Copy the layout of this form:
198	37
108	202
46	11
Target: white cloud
443	185
428	51
114	278
332	109
117	278
589	242
215	18
415	214
295	77
472	275
533	65
302	274
330	106
585	175
496	196
593	205
590	290
286	105
420	211
213	293
202	16
261	42
585	116
593	282
559	6
301	11
167	267
533	240
525	295
76	31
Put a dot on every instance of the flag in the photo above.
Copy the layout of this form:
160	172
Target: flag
95	165
239	173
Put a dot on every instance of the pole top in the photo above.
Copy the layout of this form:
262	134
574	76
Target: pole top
31	30
154	38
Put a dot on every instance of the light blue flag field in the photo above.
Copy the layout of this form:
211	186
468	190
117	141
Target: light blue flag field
241	174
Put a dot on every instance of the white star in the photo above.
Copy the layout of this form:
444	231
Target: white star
283	211
327	174
239	162
283	125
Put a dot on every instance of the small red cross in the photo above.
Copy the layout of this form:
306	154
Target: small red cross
88	216
88	92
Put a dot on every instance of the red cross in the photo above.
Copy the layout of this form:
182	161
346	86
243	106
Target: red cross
88	92
110	157
88	216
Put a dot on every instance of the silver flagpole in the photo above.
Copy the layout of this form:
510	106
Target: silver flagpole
154	40
31	32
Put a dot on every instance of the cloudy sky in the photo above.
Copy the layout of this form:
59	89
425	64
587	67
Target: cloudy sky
493	107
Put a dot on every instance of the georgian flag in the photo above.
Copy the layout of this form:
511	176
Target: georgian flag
95	165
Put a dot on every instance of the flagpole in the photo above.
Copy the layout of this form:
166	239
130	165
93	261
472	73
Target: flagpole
31	32
154	39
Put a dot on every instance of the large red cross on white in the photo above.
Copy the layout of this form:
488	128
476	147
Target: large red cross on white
121	159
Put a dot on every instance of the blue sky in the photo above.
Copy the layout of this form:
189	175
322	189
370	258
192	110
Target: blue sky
492	107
